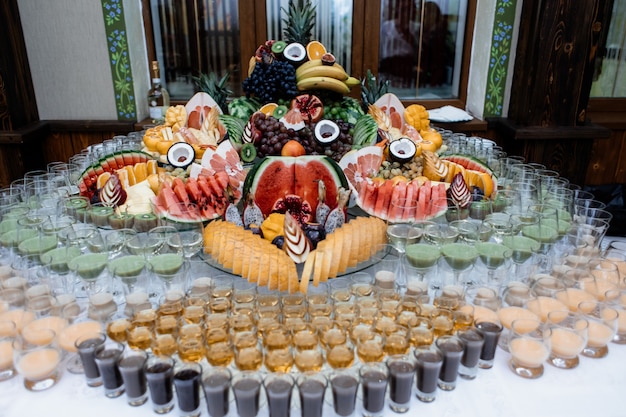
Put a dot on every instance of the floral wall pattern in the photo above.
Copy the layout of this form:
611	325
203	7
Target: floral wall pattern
500	54
117	44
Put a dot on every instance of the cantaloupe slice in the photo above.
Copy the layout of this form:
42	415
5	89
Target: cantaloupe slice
264	268
318	268
336	252
307	270
346	246
329	258
274	271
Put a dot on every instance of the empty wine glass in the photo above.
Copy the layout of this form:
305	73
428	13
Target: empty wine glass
400	229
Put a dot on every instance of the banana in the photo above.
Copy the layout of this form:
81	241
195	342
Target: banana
309	64
323	83
330	71
352	81
251	65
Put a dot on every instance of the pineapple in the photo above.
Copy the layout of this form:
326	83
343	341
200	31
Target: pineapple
216	88
371	90
299	22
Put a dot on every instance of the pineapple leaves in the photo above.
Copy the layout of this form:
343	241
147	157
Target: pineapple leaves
372	90
299	22
215	87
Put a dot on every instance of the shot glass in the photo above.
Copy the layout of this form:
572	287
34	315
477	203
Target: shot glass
374	380
187	381
86	347
131	366
491	331
106	356
474	341
247	392
216	387
452	348
278	389
401	370
344	384
429	360
160	375
529	346
311	388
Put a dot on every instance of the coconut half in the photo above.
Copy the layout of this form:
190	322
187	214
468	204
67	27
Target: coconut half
402	150
326	132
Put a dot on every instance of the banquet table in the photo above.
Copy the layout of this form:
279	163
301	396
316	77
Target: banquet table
594	388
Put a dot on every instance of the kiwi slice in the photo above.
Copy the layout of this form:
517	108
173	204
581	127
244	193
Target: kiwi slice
247	152
280	112
279	46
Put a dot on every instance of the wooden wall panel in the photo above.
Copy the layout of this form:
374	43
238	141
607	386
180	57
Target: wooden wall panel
608	160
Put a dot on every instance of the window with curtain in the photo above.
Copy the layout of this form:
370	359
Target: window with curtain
421	41
611	71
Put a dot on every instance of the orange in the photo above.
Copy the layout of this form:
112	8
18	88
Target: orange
268	109
151	141
163	146
292	148
315	50
102	179
427	145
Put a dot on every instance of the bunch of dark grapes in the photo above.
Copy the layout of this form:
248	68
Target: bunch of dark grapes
335	150
274	135
270	82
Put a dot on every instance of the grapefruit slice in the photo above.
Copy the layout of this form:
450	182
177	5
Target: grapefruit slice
315	50
358	165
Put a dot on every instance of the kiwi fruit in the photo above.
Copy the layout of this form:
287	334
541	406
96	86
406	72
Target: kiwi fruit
279	46
247	153
279	112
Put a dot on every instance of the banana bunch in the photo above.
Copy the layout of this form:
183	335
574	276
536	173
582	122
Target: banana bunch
314	75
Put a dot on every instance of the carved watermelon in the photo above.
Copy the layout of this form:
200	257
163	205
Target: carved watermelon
275	177
87	182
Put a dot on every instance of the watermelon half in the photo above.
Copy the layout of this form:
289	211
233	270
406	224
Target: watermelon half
274	177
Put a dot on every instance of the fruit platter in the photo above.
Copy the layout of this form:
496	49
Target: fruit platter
273	173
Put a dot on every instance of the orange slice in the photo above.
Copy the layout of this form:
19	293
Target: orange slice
102	179
141	171
315	50
132	179
268	109
152	166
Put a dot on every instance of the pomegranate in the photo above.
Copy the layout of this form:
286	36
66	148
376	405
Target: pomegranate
310	106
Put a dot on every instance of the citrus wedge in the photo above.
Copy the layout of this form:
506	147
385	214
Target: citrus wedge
268	109
315	50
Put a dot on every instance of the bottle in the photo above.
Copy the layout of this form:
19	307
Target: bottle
158	97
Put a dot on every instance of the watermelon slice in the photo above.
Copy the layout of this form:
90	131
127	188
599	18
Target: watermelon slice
375	198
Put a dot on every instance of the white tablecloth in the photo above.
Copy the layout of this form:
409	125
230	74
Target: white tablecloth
596	388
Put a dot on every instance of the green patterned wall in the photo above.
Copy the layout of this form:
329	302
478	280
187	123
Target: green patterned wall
117	44
500	56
